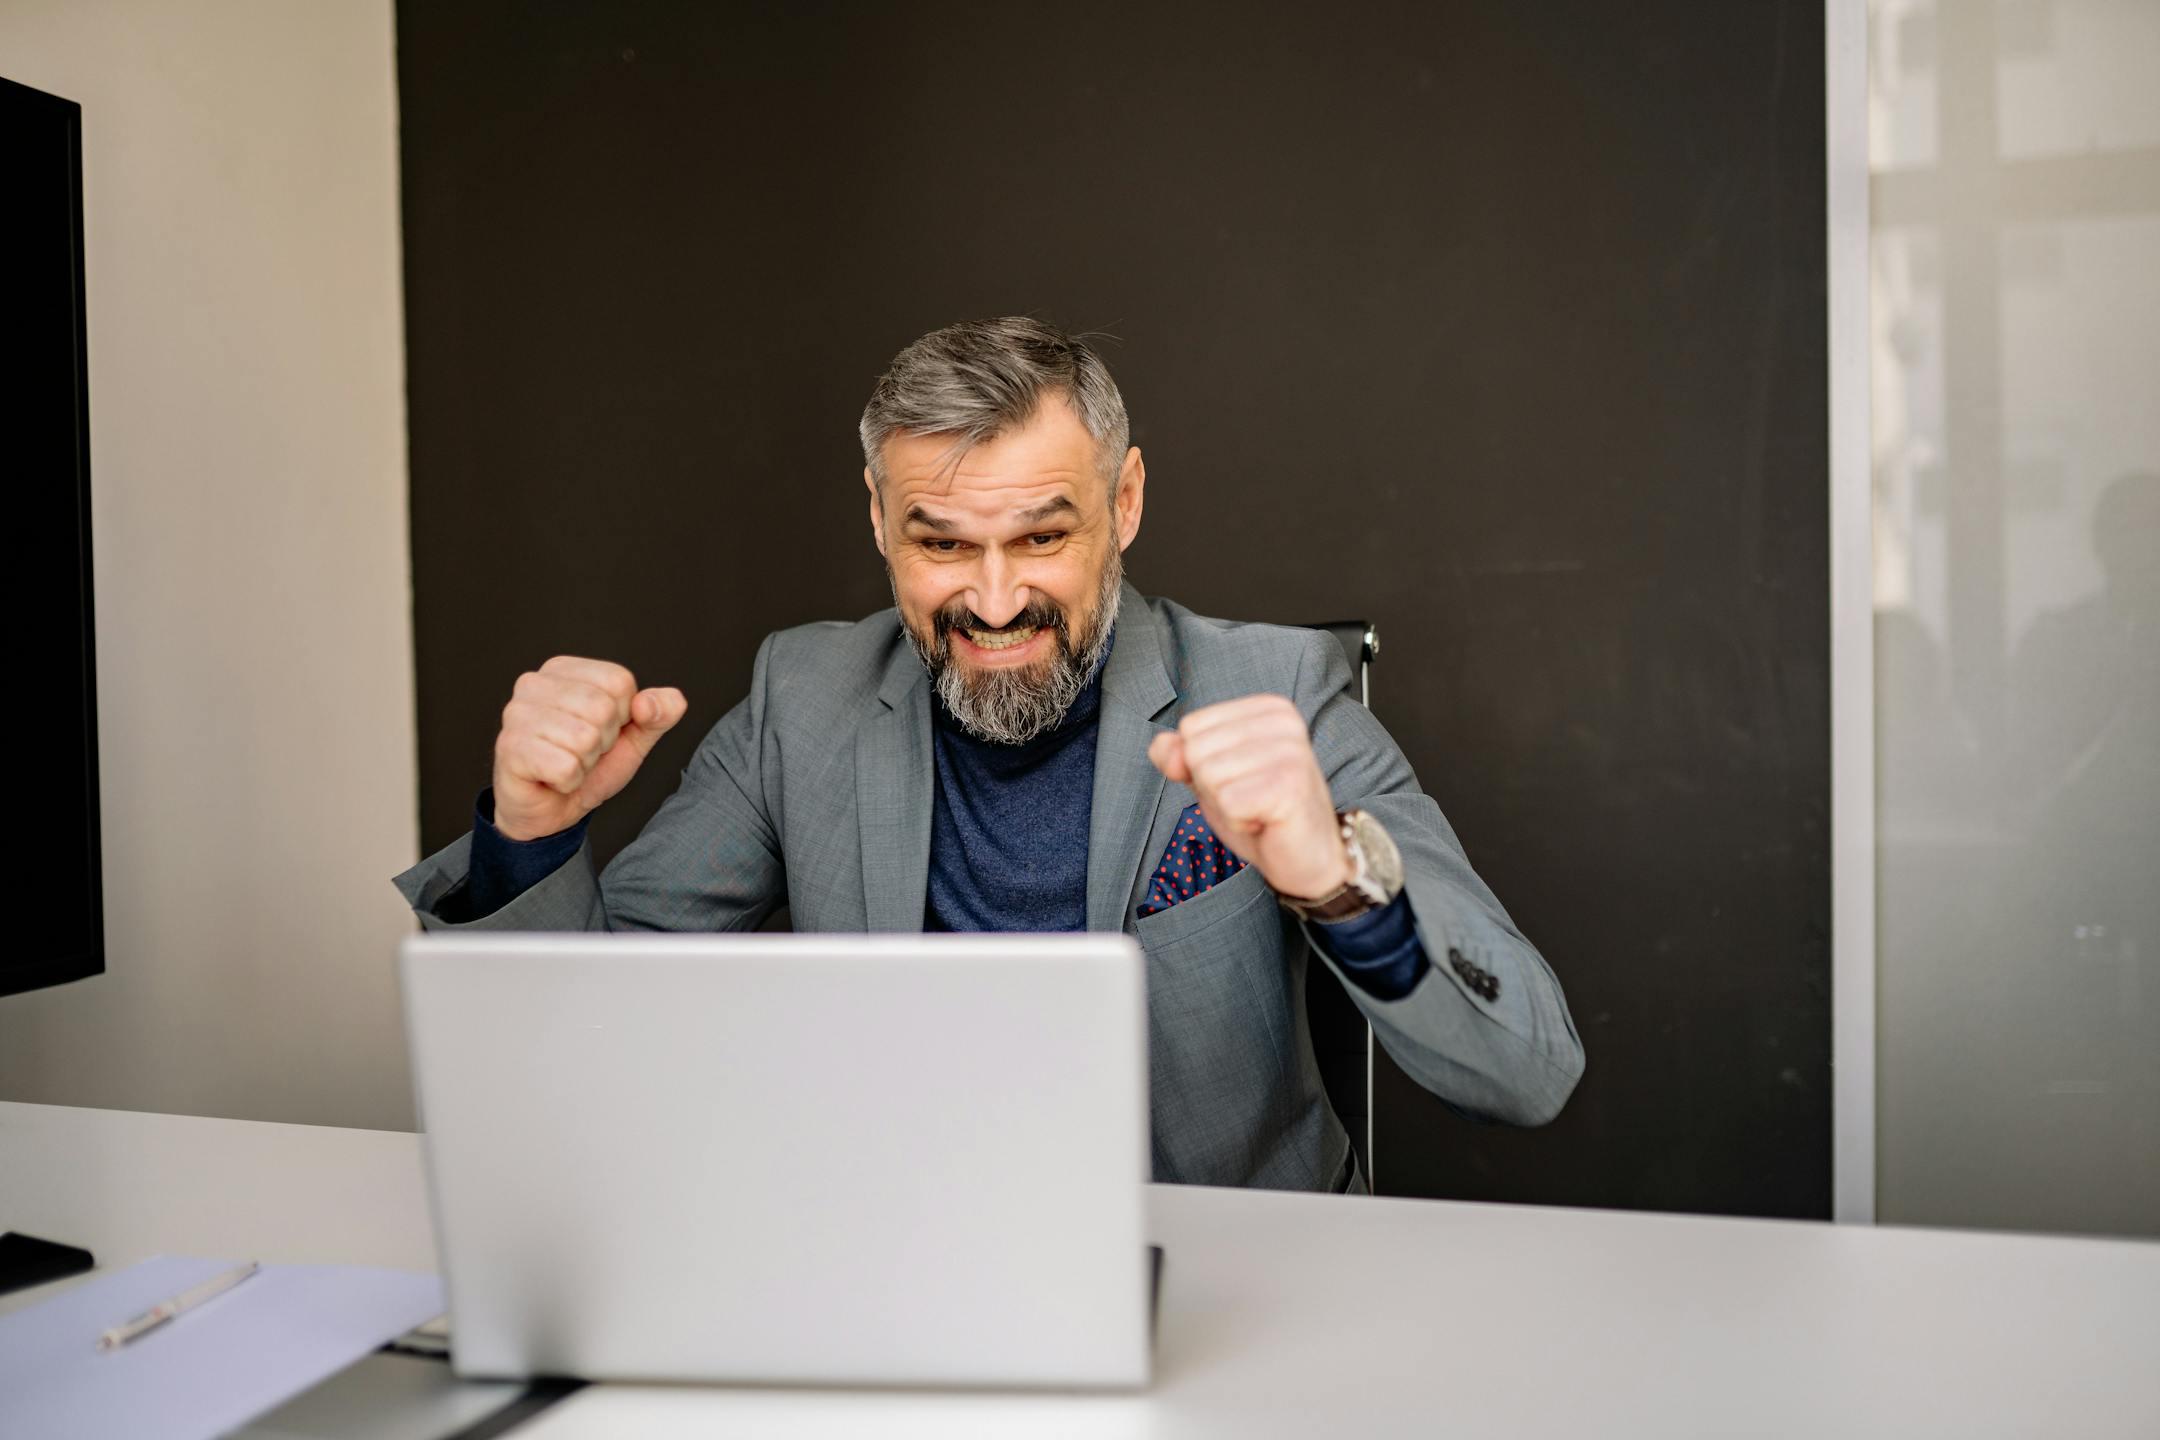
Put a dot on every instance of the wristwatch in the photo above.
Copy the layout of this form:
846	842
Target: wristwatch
1376	873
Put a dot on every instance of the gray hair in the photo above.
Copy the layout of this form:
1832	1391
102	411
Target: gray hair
979	379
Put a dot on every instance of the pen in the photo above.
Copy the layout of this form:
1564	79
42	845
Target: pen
180	1304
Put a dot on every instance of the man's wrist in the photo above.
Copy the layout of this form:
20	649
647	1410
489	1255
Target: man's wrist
486	808
1346	870
1373	873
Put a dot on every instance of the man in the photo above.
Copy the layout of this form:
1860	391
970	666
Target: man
1035	747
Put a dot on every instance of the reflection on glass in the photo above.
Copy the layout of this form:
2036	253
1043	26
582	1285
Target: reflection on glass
2075	76
1901	82
2016	350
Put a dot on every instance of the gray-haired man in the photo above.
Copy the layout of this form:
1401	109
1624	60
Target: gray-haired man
1033	746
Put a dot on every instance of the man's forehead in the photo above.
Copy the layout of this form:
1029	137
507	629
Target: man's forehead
1008	475
1022	465
941	506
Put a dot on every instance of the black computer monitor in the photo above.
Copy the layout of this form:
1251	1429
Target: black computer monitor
56	908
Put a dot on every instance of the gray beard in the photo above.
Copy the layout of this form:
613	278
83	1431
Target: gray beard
1012	707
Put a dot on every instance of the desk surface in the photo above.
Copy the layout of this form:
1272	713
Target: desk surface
1298	1315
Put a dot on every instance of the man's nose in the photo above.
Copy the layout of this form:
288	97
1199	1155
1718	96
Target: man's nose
999	611
996	597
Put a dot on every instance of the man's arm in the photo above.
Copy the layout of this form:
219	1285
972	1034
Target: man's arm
1489	1030
501	869
1378	951
709	860
1481	1023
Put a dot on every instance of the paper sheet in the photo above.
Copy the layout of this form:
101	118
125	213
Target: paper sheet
208	1371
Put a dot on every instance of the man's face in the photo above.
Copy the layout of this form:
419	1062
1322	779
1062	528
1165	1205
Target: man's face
1005	565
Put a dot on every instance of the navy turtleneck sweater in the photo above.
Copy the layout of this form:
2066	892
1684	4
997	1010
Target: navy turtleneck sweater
1009	827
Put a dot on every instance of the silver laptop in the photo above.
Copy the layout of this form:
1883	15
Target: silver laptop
788	1158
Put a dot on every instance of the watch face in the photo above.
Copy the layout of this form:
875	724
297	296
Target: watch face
1382	861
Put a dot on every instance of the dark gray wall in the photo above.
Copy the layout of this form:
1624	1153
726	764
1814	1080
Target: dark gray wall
1501	324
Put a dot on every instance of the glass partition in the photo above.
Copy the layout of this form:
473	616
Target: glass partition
2015	336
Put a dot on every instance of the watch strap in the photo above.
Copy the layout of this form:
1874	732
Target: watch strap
1346	903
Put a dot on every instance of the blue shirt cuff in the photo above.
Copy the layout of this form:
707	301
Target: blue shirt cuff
501	869
1379	951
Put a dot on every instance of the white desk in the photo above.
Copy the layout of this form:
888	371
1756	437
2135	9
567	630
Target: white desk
1297	1315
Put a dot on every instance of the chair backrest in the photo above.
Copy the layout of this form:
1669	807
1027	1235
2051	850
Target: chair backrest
1341	1040
1360	643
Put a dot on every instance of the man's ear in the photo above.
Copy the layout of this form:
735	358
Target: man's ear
1132	482
877	511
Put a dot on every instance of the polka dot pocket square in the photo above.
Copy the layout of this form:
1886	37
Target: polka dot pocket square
1194	861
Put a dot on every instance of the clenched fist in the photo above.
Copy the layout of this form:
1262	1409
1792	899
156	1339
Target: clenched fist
573	734
1250	764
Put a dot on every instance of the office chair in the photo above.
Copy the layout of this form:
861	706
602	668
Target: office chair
1341	1040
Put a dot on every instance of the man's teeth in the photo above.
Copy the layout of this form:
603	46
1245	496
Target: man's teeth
1002	639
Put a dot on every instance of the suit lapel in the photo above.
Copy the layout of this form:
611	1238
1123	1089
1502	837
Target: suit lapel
894	774
1137	689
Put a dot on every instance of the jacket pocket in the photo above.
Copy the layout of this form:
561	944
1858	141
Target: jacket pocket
1211	907
1222	1071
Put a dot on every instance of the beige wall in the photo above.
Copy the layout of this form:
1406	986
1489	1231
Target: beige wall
253	594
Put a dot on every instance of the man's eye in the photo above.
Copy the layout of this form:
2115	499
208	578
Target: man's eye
1046	539
942	547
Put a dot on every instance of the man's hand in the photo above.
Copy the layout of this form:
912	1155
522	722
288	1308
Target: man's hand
573	734
1250	763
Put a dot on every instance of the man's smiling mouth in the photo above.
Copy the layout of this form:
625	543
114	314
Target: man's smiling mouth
1000	639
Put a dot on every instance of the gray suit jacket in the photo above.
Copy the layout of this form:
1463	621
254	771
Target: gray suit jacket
815	792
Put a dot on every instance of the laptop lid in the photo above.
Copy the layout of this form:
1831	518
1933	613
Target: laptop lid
787	1158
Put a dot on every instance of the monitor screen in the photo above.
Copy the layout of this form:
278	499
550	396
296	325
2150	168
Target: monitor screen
45	455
